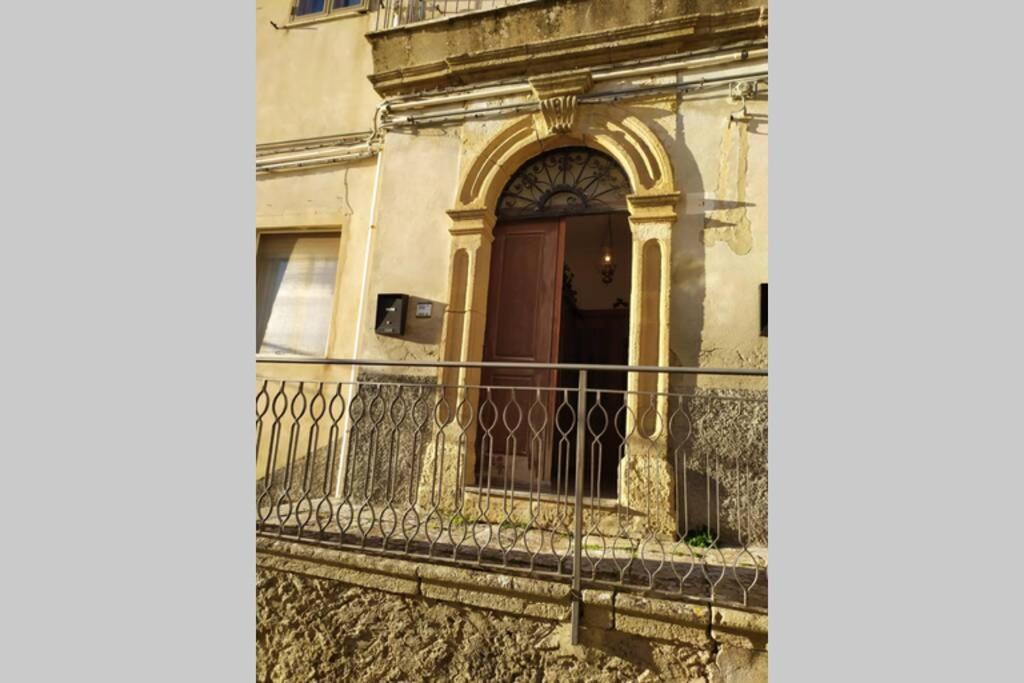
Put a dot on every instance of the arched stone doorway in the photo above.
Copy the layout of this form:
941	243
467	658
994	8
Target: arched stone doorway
651	206
554	296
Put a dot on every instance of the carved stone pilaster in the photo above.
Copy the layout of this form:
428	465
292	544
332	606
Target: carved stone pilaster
557	95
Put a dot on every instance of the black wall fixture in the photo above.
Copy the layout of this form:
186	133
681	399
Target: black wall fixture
764	309
391	311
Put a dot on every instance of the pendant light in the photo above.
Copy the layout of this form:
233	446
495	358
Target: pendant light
607	263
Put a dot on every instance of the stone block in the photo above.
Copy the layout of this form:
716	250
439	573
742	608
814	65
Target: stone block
543	599
739	628
662	619
478	589
599	609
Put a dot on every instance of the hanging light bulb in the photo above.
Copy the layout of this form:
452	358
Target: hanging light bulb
607	264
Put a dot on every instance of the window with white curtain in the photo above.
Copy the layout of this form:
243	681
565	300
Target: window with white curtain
295	276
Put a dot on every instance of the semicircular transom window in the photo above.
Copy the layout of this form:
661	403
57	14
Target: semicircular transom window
570	180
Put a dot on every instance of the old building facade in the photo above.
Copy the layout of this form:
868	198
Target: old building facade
542	181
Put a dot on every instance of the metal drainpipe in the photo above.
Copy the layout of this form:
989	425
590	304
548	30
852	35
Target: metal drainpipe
313	161
683	65
371	227
457	117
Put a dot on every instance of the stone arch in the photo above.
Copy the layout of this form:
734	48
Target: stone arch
652	214
652	209
610	129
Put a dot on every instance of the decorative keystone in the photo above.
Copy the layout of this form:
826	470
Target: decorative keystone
557	95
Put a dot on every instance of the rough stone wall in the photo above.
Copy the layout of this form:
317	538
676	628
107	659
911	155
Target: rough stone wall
719	451
392	428
313	629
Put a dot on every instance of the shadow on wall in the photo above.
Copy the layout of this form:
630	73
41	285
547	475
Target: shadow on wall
300	479
719	450
718	447
390	428
687	269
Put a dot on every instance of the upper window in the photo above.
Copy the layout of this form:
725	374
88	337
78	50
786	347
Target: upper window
295	277
304	8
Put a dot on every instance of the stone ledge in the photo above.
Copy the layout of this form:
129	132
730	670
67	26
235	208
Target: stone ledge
604	610
662	619
385	574
531	597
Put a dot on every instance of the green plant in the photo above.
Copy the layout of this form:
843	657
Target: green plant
699	538
460	520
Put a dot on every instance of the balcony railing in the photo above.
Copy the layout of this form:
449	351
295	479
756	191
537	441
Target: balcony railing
395	13
603	476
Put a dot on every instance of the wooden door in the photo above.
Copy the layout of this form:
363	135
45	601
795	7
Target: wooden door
523	314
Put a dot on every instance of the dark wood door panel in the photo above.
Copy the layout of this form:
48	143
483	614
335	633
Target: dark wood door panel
523	314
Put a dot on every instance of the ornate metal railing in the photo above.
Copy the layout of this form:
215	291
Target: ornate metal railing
669	496
395	13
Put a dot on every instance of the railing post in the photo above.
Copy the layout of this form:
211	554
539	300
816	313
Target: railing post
577	534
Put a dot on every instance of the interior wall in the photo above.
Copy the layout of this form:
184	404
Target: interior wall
585	237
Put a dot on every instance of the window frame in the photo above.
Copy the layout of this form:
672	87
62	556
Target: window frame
328	12
298	231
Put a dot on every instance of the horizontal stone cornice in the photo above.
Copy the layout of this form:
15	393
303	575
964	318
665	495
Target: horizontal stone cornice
572	52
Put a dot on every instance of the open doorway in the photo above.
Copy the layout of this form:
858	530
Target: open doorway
594	330
559	292
559	288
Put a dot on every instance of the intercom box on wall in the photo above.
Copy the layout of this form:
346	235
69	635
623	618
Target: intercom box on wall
391	310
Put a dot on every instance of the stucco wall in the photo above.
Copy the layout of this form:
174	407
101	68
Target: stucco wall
335	198
311	81
410	251
723	245
719	241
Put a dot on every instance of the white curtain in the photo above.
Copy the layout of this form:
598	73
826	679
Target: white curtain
295	293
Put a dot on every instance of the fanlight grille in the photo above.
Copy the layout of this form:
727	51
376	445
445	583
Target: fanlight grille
570	180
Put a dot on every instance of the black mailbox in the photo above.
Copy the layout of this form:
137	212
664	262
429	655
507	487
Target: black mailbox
391	310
